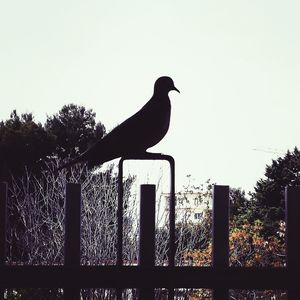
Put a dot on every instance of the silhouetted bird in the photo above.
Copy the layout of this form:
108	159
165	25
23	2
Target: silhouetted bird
136	134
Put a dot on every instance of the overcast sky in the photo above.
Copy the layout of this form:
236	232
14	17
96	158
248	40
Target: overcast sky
236	64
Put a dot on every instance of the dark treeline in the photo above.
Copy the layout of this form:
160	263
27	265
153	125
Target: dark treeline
27	143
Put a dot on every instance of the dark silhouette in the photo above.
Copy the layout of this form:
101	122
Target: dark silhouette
74	129
23	142
28	146
136	134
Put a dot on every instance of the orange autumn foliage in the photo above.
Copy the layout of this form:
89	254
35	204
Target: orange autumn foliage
248	248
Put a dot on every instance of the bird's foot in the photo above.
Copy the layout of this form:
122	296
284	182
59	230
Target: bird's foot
146	155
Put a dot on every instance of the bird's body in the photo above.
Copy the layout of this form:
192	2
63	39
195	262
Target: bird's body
136	134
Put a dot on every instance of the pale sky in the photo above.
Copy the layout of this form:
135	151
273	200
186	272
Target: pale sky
236	64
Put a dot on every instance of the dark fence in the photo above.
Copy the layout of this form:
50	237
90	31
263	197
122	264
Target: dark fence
146	276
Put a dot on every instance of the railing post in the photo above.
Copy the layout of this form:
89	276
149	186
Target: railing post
172	207
220	251
120	210
72	234
147	235
292	215
3	203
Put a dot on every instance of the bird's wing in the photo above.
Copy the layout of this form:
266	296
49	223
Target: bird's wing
135	135
123	139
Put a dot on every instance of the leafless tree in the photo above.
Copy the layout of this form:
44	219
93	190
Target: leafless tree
36	223
36	216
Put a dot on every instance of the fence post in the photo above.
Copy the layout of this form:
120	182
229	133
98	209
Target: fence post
147	234
220	240
72	234
292	216
3	203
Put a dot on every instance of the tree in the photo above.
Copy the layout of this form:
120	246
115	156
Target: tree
243	210
37	236
23	142
75	129
266	203
248	248
268	198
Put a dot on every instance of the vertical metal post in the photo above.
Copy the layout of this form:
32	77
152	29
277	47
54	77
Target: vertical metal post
120	215
119	262
172	248
172	213
220	251
147	234
3	203
292	215
72	234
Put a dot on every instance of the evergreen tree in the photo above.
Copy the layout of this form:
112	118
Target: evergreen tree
23	142
268	198
75	129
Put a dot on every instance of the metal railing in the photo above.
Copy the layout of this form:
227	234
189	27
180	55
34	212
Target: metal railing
220	277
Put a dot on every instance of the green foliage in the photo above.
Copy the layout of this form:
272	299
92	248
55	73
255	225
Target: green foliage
22	142
75	129
238	202
266	203
25	143
268	198
282	172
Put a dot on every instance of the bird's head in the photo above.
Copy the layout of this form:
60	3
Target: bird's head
164	84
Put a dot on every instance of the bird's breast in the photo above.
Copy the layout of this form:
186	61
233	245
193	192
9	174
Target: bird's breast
159	126
146	128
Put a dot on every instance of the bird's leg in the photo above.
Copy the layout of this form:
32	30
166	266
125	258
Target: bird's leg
153	155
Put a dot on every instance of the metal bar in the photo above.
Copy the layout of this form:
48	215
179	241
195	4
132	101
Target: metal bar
172	203
292	211
292	214
120	212
220	252
3	200
147	234
72	234
138	277
147	226
3	203
120	215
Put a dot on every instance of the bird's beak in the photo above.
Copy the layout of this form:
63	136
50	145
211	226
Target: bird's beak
175	89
